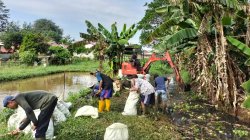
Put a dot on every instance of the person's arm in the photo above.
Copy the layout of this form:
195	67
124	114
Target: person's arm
134	86
24	123
28	110
100	87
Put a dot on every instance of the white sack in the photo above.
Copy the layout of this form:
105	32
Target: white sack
87	111
130	106
58	116
64	109
15	120
116	131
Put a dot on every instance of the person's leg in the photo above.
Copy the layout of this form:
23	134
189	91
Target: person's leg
164	101
107	97
143	108
43	121
156	101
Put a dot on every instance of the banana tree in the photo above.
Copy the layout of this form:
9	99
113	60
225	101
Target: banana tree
96	37
116	43
201	23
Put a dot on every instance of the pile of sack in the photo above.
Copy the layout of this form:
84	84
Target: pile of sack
60	114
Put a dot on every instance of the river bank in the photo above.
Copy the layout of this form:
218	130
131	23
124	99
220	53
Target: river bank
9	73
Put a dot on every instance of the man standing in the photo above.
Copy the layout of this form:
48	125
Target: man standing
160	91
30	101
105	90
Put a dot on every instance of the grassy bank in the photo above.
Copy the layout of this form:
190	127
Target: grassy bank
22	72
94	129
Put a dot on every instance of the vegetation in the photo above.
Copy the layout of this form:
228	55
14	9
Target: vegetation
3	16
21	72
59	55
48	29
196	33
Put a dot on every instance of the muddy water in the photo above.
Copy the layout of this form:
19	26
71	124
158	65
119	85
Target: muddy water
59	84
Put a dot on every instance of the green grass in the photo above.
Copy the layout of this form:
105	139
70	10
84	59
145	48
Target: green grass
22	72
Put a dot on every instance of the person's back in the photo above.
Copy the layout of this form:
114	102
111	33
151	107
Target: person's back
160	83
36	99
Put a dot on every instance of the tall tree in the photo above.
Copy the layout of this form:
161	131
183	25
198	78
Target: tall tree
48	29
3	16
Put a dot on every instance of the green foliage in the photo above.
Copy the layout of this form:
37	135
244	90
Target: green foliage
21	72
241	46
34	42
160	68
48	29
28	57
240	133
246	86
12	36
59	55
3	16
5	114
74	96
246	103
185	76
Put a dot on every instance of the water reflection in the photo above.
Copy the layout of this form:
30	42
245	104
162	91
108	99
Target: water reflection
59	84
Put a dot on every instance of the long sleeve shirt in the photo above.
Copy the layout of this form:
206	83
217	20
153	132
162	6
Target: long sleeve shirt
32	100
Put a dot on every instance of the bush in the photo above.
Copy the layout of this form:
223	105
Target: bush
59	55
5	114
185	76
28	57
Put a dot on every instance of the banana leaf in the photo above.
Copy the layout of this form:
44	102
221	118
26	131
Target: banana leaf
246	103
241	46
246	86
181	35
161	9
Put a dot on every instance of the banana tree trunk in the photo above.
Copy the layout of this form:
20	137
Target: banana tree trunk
222	92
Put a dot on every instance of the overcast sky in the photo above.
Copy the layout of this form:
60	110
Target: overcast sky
70	15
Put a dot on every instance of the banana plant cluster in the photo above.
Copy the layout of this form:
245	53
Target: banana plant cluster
109	43
207	37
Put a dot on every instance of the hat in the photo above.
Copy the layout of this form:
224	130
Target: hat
7	99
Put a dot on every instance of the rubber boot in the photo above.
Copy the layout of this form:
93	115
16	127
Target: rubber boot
101	106
107	106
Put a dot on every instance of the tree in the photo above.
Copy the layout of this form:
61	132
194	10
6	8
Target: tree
95	36
59	55
34	42
196	31
48	29
116	42
12	36
3	16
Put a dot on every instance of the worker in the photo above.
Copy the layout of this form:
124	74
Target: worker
161	91
135	62
105	90
146	91
30	101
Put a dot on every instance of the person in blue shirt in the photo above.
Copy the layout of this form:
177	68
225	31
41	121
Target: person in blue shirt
161	91
105	90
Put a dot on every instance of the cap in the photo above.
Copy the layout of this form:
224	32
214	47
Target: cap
7	99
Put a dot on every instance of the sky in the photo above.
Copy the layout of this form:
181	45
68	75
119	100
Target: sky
70	15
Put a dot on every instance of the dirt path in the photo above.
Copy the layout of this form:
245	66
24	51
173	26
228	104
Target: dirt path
195	118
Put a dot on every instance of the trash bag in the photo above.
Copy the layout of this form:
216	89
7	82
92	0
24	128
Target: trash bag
87	111
116	131
130	106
